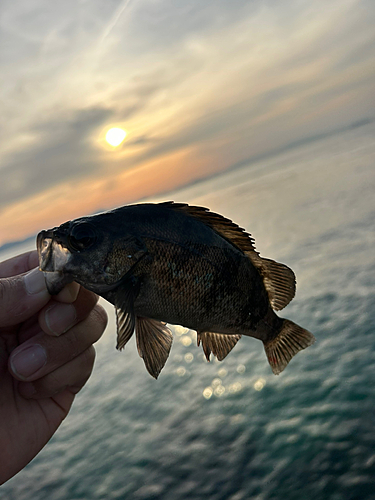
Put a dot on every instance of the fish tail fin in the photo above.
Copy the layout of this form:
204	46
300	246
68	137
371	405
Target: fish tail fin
290	340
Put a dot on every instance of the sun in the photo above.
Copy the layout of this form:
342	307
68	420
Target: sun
115	136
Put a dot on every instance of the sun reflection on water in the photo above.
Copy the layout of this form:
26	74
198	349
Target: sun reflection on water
181	371
217	387
180	330
259	384
236	387
207	393
216	382
186	340
219	390
188	357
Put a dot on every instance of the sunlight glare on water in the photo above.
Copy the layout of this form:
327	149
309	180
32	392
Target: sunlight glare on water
233	430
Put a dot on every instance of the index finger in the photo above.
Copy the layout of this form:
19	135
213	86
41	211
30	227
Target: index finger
29	260
19	264
69	293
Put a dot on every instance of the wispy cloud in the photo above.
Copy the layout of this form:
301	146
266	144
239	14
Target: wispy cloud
114	20
61	147
198	86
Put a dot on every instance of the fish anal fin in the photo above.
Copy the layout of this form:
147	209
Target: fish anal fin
125	317
219	344
154	341
225	227
290	340
279	281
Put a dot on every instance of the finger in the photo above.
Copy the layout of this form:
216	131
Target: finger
59	321
57	318
69	293
19	264
43	353
73	376
29	260
21	297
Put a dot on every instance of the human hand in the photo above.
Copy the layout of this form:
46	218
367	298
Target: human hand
46	356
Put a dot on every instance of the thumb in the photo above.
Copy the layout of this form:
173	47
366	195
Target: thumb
21	297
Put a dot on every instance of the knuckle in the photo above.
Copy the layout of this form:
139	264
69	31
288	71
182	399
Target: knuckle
32	260
9	305
72	344
53	383
100	316
89	299
3	289
49	385
74	375
89	356
87	360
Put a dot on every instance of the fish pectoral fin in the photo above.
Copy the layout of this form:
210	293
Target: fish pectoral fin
133	247
125	317
154	341
219	344
279	280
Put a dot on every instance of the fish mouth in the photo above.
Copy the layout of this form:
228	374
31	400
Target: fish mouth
53	257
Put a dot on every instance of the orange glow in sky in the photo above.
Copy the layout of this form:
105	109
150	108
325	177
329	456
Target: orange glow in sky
68	201
198	92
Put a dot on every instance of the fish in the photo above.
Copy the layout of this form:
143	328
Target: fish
177	264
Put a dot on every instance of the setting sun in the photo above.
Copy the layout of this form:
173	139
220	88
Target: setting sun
115	136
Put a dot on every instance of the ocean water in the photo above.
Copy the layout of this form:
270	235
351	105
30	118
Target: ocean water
233	430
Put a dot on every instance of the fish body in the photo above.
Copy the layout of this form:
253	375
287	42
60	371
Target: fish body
178	264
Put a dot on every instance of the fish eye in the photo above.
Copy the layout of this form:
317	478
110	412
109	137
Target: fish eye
82	236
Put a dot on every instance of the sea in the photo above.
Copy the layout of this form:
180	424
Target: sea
232	430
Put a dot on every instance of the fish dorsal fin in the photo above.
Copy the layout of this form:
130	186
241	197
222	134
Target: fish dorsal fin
125	317
219	344
279	280
154	341
225	227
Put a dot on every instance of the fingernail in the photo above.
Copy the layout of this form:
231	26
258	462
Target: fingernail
60	317
28	361
35	282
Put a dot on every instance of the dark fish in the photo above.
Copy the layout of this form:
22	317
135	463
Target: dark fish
179	264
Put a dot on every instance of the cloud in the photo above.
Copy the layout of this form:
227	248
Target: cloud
61	146
215	83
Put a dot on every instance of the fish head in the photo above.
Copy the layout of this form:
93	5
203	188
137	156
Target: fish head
89	251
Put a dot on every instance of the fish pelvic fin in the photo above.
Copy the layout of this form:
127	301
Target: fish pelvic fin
219	344
279	280
290	340
125	317
154	341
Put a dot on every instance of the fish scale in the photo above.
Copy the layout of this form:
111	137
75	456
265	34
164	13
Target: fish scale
187	289
179	264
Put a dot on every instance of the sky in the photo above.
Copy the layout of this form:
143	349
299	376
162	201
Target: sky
200	87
